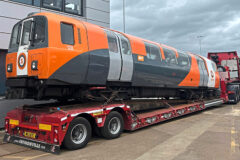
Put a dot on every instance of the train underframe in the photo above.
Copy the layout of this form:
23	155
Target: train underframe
45	90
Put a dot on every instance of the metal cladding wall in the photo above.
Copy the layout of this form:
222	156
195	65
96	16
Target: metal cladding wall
94	11
2	72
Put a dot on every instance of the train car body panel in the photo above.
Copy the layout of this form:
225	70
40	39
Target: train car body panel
193	77
64	57
212	72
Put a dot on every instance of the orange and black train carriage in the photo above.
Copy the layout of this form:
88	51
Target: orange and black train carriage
53	56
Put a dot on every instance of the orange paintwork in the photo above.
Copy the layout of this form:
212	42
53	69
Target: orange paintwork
11	58
97	38
193	77
137	45
217	80
162	52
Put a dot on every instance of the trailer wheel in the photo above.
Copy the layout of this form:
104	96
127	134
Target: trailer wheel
78	134
113	126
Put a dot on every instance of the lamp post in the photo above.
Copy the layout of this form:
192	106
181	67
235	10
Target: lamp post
124	26
200	43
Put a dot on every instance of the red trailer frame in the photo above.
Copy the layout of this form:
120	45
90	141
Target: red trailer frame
44	127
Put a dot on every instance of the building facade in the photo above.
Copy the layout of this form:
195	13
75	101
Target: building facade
11	11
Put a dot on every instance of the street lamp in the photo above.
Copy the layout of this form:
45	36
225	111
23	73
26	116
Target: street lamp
200	43
124	26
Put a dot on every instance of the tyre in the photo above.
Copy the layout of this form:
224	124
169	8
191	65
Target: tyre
78	134
113	125
235	99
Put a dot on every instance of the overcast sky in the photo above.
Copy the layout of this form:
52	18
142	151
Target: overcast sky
178	23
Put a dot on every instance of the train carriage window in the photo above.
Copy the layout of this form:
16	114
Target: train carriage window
73	6
67	34
14	37
26	32
153	51
125	46
112	43
39	30
170	56
53	4
183	59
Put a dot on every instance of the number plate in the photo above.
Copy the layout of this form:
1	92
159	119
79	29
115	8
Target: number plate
29	134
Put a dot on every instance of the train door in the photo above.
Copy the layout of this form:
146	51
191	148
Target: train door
205	82
115	65
24	43
201	70
127	59
211	70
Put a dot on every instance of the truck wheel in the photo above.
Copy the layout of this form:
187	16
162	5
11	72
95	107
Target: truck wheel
113	126
78	134
235	99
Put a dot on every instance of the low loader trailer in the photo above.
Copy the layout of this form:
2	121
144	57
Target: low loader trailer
48	127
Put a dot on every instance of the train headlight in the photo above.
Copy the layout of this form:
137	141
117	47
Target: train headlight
34	65
9	68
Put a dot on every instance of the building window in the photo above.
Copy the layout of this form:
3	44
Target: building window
23	1
53	4
73	6
68	6
37	3
67	35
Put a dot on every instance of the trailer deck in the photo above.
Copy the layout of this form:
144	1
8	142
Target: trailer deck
45	127
211	134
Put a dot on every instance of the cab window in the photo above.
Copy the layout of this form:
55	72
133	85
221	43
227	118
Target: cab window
39	30
170	56
26	32
67	35
14	36
153	51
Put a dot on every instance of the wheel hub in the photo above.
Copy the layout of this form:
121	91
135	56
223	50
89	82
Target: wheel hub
114	125
78	133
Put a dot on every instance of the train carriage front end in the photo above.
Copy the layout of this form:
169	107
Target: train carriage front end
38	49
27	56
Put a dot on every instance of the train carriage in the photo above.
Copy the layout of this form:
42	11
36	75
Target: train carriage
52	56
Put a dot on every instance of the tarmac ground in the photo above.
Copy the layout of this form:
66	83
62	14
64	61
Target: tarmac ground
213	134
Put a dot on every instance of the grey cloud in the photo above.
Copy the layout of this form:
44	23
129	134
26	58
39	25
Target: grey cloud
178	22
